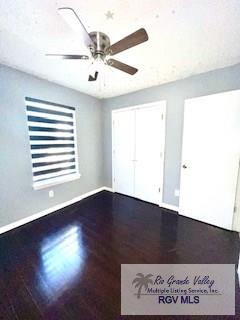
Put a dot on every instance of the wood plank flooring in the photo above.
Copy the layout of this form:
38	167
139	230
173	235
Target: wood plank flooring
66	266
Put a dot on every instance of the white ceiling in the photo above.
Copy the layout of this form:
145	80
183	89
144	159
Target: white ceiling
186	37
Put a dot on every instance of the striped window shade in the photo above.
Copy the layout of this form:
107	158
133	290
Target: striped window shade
53	143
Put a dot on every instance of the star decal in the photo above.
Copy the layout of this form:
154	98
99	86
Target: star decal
109	15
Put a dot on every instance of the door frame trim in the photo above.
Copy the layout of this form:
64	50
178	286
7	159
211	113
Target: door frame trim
135	107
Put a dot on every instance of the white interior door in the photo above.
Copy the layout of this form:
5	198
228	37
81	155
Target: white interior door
150	136
210	158
124	151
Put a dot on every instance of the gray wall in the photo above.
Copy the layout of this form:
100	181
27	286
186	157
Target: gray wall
174	93
17	197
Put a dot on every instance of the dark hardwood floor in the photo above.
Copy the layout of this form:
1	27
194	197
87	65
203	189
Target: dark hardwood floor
67	265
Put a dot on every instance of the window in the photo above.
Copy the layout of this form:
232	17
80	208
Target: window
53	143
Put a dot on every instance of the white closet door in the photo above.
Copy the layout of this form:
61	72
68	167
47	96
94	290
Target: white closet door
150	136
210	158
124	151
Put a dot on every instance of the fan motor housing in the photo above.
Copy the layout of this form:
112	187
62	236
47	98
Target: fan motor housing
101	43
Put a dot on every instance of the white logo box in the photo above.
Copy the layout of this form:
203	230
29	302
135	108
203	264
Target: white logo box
178	289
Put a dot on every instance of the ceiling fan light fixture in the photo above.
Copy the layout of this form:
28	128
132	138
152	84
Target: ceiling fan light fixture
99	47
99	63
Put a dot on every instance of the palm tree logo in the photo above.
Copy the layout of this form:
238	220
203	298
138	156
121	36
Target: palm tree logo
142	281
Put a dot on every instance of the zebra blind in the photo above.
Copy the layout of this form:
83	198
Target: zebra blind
52	135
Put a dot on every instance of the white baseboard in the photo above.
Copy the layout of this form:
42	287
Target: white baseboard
108	189
50	210
169	206
162	204
43	213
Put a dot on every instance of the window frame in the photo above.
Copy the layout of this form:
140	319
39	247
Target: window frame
58	179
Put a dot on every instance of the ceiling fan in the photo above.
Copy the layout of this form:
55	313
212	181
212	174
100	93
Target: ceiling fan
99	45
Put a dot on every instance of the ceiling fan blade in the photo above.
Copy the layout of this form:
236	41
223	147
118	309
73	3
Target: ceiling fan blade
121	66
70	16
69	56
91	78
130	41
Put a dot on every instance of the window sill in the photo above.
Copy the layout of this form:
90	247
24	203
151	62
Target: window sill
43	185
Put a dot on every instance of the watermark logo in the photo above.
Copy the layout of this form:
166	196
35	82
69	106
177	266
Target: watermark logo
142	281
178	289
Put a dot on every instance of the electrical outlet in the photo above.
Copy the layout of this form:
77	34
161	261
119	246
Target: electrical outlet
51	194
176	192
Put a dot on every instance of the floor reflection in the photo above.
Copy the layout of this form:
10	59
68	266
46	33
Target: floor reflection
63	258
169	231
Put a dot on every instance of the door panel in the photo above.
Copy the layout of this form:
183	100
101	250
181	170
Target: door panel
124	151
210	158
149	154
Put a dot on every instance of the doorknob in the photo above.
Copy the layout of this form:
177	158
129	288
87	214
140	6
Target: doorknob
184	166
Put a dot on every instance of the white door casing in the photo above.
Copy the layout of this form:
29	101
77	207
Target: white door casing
147	143
236	216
